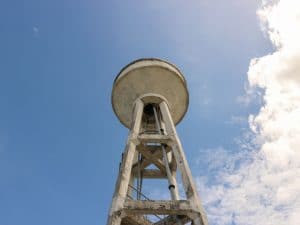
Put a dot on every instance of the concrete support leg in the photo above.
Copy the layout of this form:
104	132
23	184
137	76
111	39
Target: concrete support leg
189	186
115	214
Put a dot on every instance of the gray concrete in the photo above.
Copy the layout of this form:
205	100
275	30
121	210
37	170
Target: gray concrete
152	140
149	76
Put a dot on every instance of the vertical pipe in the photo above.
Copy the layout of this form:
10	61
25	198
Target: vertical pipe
139	179
121	188
171	180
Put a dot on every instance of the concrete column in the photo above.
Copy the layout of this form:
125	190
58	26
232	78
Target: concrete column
115	214
189	186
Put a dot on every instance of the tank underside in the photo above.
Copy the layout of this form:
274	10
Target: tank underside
149	76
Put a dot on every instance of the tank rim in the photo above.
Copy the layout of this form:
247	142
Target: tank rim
150	59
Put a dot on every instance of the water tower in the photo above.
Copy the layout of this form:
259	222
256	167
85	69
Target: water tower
150	97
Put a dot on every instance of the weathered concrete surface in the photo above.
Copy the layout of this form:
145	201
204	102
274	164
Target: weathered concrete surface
149	76
150	96
135	220
173	220
121	189
159	207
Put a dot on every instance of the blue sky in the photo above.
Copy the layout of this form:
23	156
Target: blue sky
60	142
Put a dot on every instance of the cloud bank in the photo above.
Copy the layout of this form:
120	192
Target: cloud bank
261	185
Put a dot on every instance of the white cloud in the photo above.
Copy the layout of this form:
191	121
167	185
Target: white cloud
35	31
264	189
241	120
249	96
